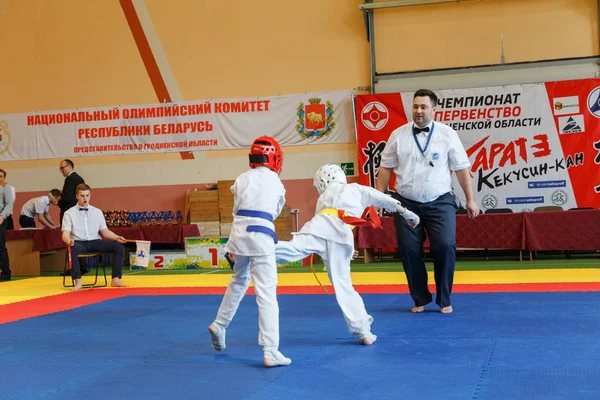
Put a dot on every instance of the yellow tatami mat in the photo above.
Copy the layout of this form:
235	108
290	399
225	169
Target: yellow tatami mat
33	288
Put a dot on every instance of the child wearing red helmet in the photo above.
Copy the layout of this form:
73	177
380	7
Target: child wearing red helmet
259	197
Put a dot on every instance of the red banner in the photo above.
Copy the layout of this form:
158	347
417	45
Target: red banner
529	145
377	116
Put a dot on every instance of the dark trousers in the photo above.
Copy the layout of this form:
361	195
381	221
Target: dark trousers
438	219
26	222
11	224
97	246
4	261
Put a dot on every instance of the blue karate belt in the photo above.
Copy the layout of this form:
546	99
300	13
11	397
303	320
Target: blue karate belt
259	228
229	260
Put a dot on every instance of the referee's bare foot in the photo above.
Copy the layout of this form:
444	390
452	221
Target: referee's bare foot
117	282
417	309
446	310
77	286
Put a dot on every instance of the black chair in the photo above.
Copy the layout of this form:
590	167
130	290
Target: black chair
551	209
547	209
461	211
498	211
568	252
93	262
503	211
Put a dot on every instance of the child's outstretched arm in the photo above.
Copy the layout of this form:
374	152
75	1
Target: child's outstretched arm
411	218
374	197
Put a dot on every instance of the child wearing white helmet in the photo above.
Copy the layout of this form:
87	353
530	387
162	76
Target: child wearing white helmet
329	234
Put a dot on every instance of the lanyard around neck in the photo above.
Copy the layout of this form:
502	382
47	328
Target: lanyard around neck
423	150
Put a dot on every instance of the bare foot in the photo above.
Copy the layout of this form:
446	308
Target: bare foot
367	338
446	310
366	341
417	309
77	286
117	282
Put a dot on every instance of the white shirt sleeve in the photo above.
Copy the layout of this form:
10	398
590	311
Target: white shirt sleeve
67	222
102	224
457	156
389	156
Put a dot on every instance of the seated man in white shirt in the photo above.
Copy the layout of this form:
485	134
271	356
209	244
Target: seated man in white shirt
81	226
39	207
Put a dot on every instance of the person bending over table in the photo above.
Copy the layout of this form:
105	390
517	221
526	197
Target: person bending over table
39	207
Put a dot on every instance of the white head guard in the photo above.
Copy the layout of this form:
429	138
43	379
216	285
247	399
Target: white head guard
327	174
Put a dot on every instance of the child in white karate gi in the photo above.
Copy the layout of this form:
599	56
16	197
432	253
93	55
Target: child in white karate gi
327	235
259	197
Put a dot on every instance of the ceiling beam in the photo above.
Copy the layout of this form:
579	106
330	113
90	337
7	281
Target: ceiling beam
402	3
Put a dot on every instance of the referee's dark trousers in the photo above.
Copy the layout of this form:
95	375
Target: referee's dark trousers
438	219
97	246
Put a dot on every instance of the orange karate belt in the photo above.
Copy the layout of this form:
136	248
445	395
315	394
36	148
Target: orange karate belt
374	219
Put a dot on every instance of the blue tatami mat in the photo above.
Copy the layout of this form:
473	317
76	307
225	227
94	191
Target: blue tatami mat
495	346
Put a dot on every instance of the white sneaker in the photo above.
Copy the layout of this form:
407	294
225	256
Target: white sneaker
218	336
367	338
274	358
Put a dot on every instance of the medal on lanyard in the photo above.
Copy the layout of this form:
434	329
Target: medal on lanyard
423	150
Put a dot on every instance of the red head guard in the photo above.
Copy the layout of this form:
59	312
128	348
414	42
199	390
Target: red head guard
265	151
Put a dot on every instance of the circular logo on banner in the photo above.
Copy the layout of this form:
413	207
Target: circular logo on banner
4	137
593	102
489	202
559	197
374	116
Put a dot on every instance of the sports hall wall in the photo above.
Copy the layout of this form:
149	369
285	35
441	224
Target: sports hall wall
62	54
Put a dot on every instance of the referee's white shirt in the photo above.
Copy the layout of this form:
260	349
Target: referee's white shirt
84	225
416	178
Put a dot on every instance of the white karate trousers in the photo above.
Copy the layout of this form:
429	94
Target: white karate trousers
337	259
263	272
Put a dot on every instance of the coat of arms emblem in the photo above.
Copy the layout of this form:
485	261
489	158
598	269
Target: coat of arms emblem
315	120
4	137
